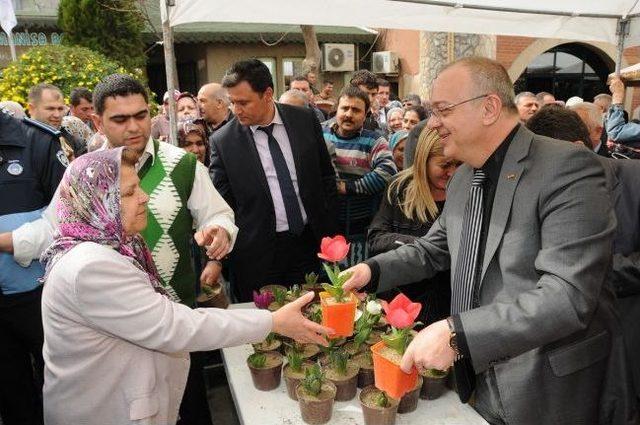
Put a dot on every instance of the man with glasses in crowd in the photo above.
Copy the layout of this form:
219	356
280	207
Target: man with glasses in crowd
527	234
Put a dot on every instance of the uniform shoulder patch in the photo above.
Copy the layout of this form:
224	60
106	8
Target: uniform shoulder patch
62	158
41	126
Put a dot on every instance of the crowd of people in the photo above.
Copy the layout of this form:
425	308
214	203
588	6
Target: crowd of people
512	218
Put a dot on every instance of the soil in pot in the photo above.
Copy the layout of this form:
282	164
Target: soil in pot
292	379
352	348
374	414
307	351
388	375
434	384
347	384
267	378
365	374
265	346
316	410
409	402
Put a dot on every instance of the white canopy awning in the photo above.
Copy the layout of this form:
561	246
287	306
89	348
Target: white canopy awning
586	20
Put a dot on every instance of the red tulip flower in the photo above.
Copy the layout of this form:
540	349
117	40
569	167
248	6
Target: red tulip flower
401	312
334	249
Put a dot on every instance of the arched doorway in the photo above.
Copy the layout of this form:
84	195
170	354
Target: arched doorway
571	69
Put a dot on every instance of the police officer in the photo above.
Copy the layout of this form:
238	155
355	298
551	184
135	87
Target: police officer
31	166
46	108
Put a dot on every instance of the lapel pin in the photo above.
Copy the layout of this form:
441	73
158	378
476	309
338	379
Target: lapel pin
511	176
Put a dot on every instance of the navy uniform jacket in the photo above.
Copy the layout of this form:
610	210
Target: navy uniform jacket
31	166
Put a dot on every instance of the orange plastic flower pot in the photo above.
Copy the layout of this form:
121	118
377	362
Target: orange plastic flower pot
389	377
339	317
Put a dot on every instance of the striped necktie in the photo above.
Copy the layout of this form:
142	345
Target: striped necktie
466	267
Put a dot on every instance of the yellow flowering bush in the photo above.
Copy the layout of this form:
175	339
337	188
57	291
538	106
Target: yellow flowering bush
66	67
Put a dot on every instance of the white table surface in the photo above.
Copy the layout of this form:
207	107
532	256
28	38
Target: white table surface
276	408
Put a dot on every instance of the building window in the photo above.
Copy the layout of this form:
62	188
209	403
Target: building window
291	67
271	64
567	70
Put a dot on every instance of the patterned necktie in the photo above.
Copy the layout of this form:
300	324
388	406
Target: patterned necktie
291	206
466	267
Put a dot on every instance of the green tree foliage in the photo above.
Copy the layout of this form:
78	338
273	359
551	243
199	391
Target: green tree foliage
111	27
63	66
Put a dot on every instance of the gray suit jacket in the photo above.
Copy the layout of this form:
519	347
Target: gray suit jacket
623	176
545	322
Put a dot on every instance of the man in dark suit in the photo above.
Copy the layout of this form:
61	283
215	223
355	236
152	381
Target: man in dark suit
527	232
271	165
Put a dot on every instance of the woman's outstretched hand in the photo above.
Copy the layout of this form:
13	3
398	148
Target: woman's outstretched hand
289	321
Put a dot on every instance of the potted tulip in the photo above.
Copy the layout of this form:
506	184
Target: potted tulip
306	351
387	354
434	384
262	300
409	401
213	297
293	372
315	396
313	312
343	374
270	343
338	307
272	288
279	299
295	292
265	370
311	284
377	407
365	374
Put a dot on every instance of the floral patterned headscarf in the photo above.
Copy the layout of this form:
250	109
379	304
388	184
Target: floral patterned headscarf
89	211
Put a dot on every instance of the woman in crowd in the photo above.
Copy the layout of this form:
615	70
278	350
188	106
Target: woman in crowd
116	340
412	116
396	146
187	107
77	128
394	119
192	137
414	200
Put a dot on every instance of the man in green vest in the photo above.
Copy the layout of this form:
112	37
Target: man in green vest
181	198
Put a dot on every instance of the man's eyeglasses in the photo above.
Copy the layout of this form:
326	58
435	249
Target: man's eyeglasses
440	112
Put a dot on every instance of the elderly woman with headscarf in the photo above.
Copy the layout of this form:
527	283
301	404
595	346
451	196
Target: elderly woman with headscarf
396	146
116	340
394	119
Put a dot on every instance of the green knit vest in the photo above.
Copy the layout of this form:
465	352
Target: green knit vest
168	182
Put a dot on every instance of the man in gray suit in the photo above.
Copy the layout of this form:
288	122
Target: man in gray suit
536	334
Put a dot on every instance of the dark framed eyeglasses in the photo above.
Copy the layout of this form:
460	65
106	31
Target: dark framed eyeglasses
439	112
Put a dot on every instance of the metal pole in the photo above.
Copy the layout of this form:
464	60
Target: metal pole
170	68
12	46
622	32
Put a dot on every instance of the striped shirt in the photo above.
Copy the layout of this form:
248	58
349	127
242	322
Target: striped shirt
363	160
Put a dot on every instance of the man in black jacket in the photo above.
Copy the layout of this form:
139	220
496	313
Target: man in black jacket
271	165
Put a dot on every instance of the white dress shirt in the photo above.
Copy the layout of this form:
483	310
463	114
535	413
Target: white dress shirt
206	205
262	145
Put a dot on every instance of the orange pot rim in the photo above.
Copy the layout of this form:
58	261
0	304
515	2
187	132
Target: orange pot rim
352	299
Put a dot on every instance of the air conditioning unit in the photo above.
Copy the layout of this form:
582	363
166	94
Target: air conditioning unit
338	57
385	63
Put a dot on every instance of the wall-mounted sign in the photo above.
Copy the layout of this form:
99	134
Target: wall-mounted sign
25	38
